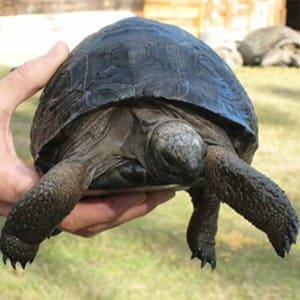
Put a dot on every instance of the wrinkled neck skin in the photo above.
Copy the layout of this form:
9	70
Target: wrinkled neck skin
169	143
174	151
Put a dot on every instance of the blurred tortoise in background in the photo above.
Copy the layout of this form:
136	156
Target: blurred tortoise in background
223	43
271	46
142	105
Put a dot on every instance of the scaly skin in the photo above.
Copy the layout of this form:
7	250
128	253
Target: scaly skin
203	226
38	212
254	196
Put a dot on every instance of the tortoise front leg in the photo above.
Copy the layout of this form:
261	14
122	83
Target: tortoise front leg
253	195
38	212
203	225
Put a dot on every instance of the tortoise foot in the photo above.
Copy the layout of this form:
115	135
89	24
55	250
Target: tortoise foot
16	250
283	241
206	253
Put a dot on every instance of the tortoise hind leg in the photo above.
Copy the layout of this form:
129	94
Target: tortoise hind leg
254	196
39	211
203	225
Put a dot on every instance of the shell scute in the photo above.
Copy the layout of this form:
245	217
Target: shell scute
136	58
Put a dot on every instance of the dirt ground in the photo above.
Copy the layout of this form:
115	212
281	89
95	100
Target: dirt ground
23	37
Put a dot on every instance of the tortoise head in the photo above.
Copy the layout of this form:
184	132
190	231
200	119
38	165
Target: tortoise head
175	152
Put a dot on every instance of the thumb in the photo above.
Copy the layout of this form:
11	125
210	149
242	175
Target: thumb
27	79
17	86
22	83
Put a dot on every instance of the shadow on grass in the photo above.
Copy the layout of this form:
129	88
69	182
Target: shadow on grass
257	266
105	270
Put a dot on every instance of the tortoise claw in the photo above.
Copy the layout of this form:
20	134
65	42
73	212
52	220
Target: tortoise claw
13	264
17	251
54	232
23	264
294	231
4	258
205	257
282	244
203	263
287	244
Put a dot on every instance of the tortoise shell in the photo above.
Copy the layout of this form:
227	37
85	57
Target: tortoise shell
137	58
258	42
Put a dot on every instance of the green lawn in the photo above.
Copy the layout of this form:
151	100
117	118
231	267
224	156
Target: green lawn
149	258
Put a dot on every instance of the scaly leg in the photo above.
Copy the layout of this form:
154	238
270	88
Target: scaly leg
38	212
203	225
254	196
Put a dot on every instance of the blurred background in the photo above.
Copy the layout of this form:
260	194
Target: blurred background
149	258
28	28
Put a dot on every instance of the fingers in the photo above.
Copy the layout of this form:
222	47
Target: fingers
16	179
27	79
90	218
153	199
88	213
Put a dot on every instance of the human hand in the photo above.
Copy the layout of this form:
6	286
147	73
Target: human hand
16	178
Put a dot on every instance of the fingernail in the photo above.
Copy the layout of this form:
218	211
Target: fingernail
58	48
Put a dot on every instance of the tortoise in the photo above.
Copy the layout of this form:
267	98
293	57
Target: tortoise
272	45
146	106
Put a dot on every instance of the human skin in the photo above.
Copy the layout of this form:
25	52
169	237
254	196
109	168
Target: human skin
16	177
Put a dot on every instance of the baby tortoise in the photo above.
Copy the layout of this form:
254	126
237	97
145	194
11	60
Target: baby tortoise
142	105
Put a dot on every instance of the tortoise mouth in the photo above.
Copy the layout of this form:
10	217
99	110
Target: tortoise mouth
175	153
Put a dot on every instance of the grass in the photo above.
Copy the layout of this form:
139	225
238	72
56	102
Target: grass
149	259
